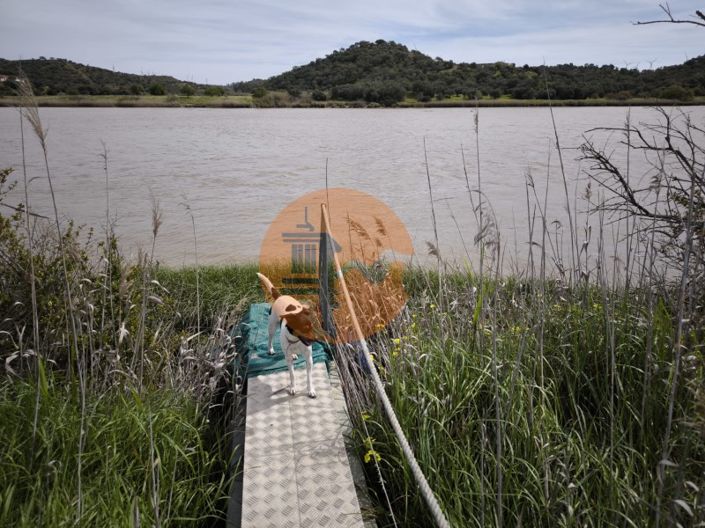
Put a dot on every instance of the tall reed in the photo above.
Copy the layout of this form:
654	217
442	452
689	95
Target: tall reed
557	396
116	391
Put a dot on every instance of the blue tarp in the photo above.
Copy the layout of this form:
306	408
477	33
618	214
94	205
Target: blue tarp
254	358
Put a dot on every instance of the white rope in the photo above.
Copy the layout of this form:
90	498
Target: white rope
426	491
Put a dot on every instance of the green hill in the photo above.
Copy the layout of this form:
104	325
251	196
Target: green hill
386	72
61	76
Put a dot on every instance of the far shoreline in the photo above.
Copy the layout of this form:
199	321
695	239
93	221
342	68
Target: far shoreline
247	101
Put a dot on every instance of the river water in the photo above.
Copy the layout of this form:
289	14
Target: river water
237	168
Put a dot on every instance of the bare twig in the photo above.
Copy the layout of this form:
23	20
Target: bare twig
672	20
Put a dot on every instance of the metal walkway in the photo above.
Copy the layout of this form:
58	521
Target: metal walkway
296	467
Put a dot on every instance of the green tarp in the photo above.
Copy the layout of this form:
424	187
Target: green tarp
254	358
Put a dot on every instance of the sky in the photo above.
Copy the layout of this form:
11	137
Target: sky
223	41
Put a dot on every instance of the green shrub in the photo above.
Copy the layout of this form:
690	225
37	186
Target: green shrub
213	91
259	92
319	95
188	90
677	92
156	89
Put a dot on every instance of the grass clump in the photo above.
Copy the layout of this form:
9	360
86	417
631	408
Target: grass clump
131	427
224	288
144	457
116	400
579	436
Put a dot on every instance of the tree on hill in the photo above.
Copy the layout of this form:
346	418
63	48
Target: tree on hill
156	89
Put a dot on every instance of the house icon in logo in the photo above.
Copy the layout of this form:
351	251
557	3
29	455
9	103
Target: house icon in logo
309	251
298	254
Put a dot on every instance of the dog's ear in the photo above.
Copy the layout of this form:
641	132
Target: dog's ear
291	308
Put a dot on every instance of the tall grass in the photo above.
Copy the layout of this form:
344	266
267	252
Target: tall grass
153	453
127	437
580	448
115	408
548	399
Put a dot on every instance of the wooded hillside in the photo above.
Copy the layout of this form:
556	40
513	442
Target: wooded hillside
383	73
386	72
62	76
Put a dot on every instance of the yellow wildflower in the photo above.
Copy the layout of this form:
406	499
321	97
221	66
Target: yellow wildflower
372	454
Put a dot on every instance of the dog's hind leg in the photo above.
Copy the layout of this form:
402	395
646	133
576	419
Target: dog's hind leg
273	321
309	372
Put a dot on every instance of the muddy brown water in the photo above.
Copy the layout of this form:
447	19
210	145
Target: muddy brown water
238	168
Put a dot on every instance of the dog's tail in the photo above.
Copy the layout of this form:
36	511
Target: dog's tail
271	289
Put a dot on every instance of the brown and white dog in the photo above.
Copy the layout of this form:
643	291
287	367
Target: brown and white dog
296	334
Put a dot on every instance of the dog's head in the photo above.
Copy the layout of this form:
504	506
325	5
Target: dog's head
301	323
298	316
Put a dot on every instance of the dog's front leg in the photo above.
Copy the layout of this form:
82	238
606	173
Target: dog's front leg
273	321
292	381
309	372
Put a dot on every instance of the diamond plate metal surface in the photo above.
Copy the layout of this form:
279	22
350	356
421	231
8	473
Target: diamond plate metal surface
296	471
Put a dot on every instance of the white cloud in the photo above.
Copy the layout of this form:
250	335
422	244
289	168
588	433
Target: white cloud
618	44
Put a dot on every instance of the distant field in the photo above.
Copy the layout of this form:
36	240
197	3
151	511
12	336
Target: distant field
283	100
228	101
508	101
